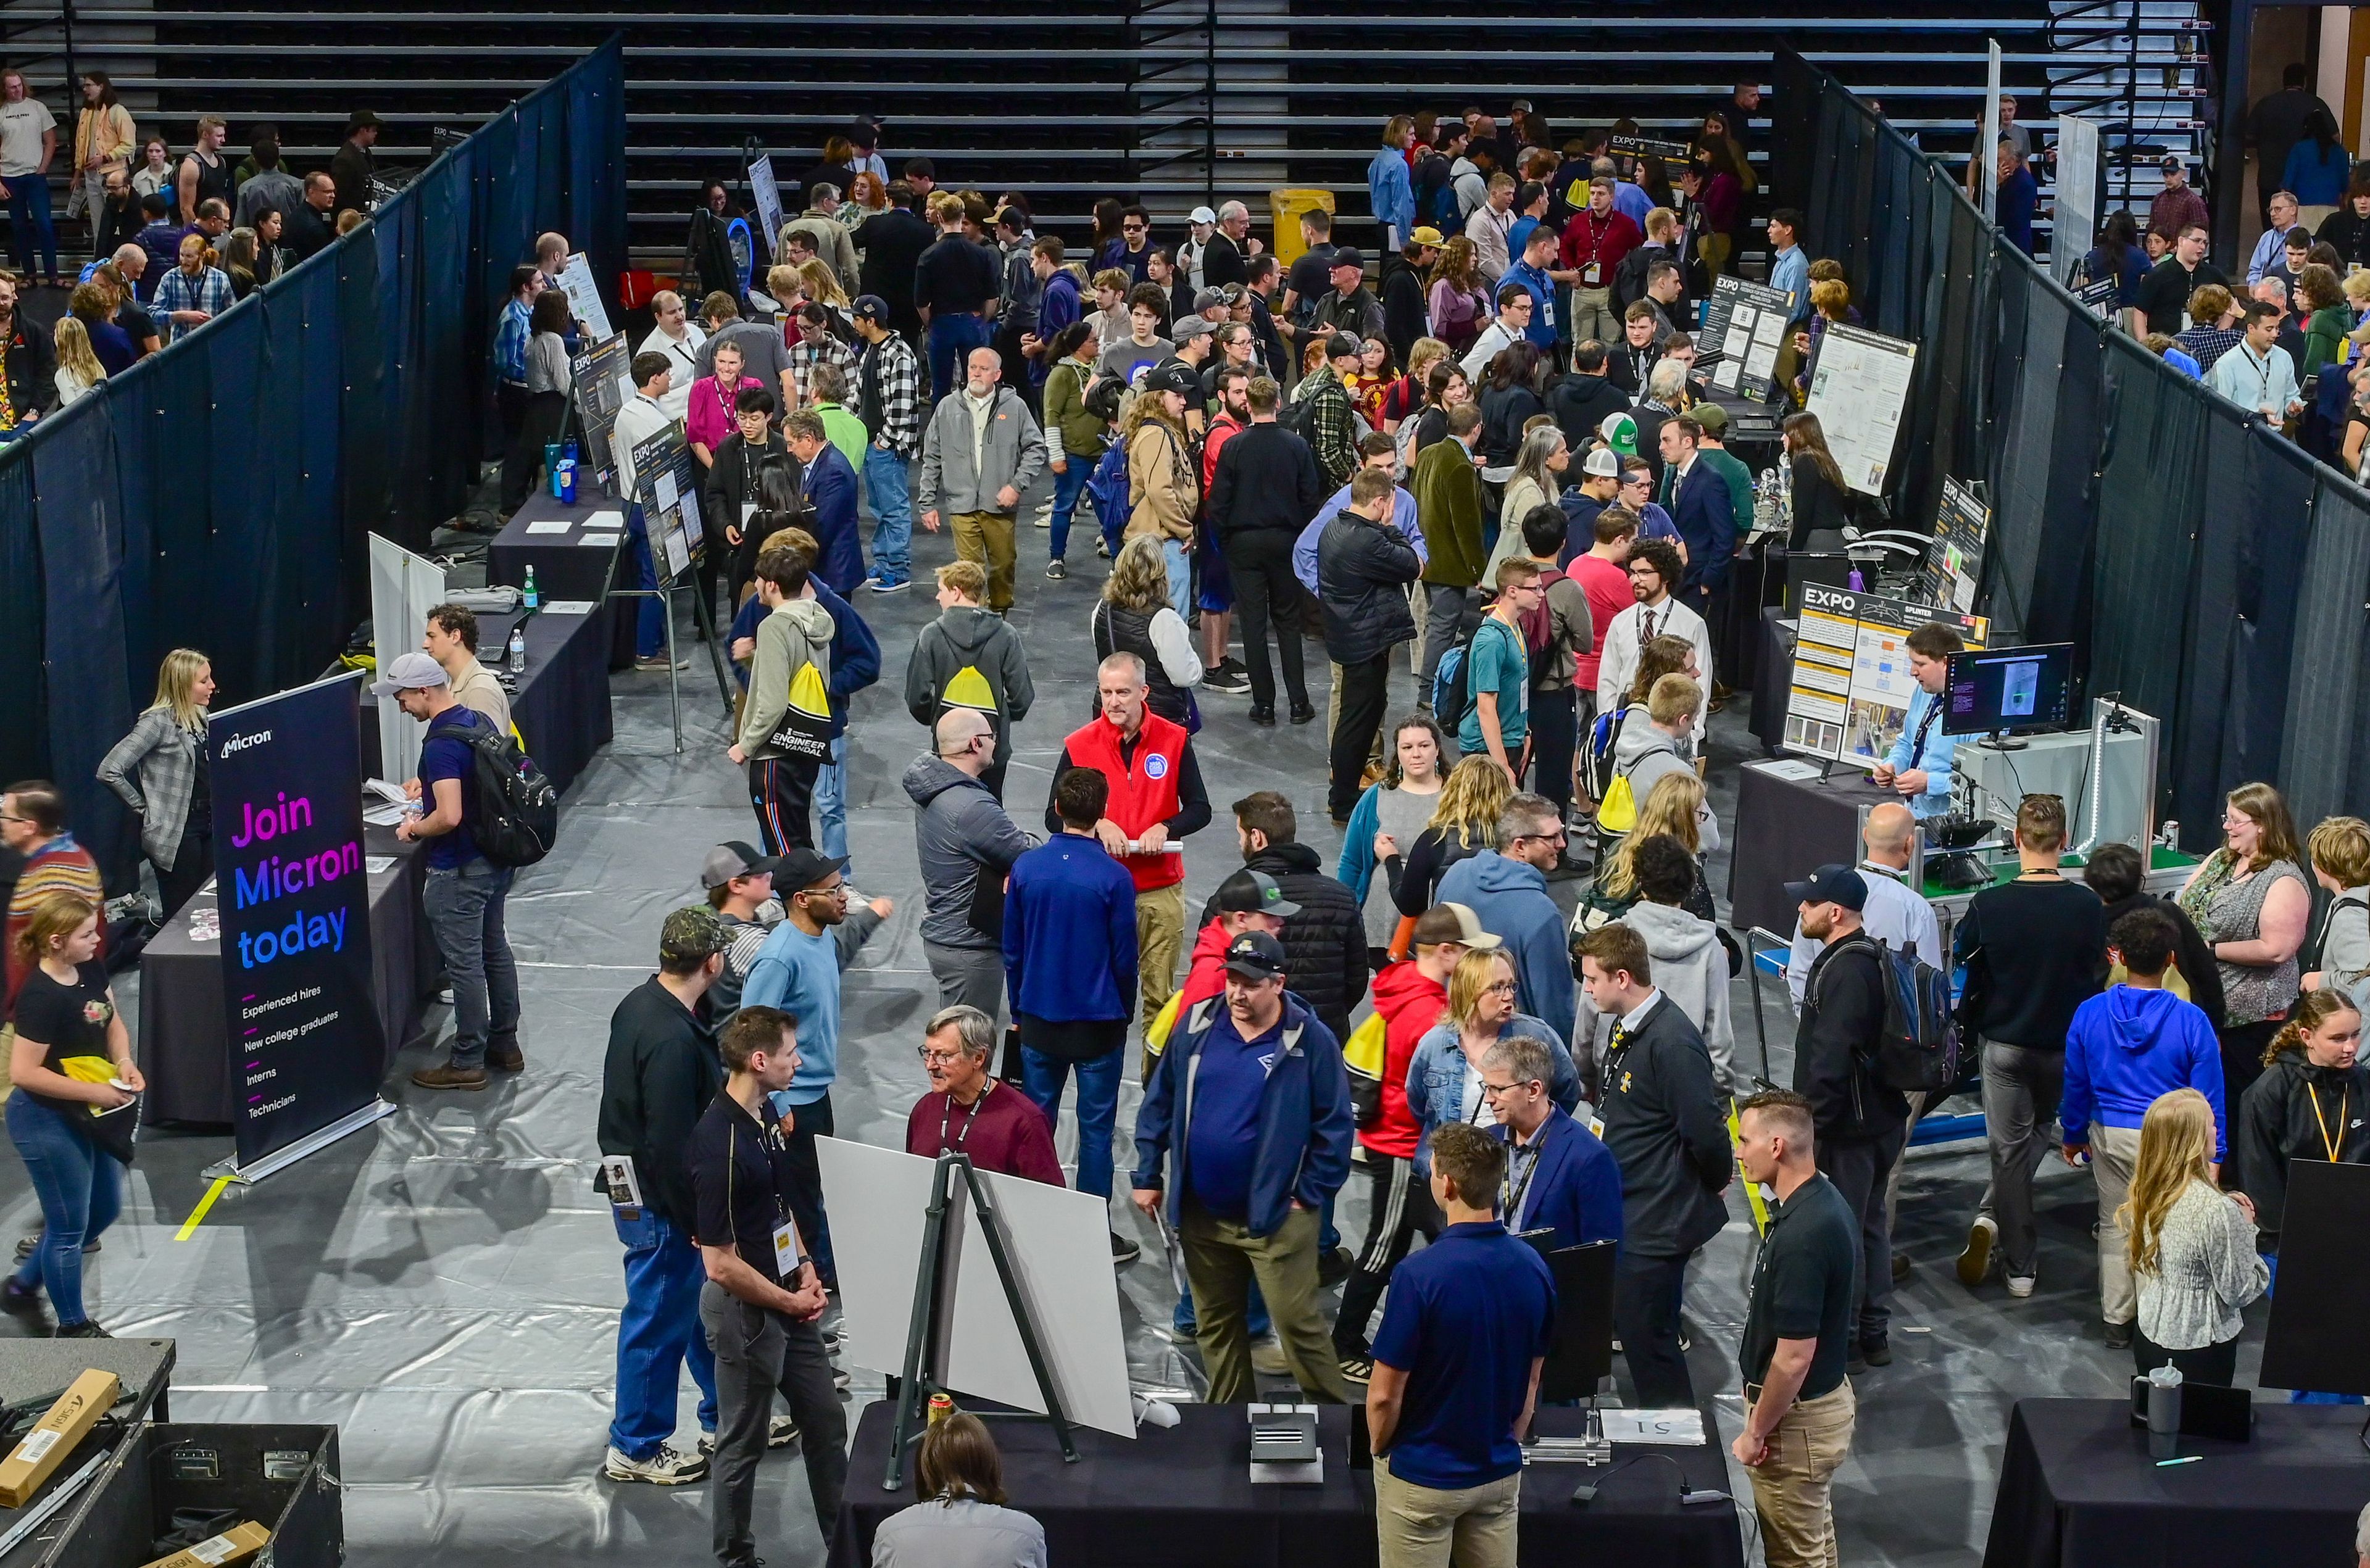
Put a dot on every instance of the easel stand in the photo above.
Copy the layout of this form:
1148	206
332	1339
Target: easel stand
706	616
934	1284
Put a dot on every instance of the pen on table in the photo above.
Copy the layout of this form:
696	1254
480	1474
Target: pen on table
2183	1460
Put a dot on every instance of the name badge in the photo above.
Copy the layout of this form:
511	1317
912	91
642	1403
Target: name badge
1591	276
786	1249
1596	1125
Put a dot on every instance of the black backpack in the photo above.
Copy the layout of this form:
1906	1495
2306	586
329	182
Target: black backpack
517	818
1918	1050
1299	416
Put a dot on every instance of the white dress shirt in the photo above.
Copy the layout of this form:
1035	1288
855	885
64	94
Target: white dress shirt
641	417
683	354
1895	915
1619	644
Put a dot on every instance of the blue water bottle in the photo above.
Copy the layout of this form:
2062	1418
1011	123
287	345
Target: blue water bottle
567	481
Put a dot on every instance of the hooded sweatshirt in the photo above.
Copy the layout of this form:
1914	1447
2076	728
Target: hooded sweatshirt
2284	1116
2130	1045
940	675
797	633
959	834
1691	969
1410	1003
1510	897
1646	756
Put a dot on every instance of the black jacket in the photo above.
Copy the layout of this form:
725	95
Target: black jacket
2198	969
662	1073
954	275
732	479
305	229
1267	478
31	366
1628	368
1819	507
1629	277
1835	1043
1325	943
1505	411
1580	403
2034	952
1405	319
1362	570
1222	261
1666	1129
117	227
2276	1124
892	243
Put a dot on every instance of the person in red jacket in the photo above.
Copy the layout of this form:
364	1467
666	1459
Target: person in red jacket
1249	900
1156	799
1410	996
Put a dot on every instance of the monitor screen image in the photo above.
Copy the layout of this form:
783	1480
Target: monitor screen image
2005	689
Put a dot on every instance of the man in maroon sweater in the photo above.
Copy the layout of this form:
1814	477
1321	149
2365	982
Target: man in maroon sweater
968	1111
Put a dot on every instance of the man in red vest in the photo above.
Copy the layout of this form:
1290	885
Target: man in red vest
1156	799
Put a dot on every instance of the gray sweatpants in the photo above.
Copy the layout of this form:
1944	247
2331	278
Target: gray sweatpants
758	1351
969	977
2021	1086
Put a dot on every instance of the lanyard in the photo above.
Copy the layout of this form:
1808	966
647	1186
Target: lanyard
1925	728
970	1121
1510	1204
2344	1102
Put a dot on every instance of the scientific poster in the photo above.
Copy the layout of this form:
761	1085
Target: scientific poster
1857	392
584	295
1852	683
768	197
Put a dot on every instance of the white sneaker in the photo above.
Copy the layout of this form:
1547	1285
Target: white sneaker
2019	1285
665	1468
1975	1260
780	1432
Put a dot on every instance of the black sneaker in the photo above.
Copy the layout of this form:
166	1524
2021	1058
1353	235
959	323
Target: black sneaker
2119	1336
1233	683
1263	716
1123	1251
86	1329
19	1302
1333	1266
1302	713
1876	1351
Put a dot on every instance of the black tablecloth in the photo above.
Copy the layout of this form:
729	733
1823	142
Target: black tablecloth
2077	1489
1785	830
184	1053
561	703
1772	676
565	568
1182	1496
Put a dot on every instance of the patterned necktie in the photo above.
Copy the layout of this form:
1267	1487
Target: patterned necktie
1645	628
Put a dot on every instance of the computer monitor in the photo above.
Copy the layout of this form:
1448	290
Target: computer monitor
1992	691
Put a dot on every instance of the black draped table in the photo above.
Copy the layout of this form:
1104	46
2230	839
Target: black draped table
1181	1496
2077	1489
565	568
560	702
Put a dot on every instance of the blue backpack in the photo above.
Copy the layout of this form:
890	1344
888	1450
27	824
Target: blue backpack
1107	491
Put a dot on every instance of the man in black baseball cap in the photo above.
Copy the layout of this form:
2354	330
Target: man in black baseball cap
1260	1085
1351	307
739	883
889	397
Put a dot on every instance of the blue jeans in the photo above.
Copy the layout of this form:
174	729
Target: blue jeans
1042	1078
1257	1320
831	805
465	913
81	1189
29	228
649	621
1068	485
888	488
953	336
1180	577
658	1330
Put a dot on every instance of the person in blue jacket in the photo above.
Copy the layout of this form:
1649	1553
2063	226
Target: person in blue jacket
1443	1077
1919	766
1560	1178
1507	888
1389	186
831	487
2127	1047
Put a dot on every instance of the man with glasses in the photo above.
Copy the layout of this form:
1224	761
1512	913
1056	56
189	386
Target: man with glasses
1498	673
968	1111
1506	888
1560	1178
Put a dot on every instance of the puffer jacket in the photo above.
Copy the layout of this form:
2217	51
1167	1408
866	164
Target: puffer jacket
967	637
1325	943
1363	572
959	834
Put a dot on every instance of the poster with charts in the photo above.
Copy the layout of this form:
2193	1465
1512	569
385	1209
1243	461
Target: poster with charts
1852	683
584	295
1857	392
1954	560
1743	329
666	483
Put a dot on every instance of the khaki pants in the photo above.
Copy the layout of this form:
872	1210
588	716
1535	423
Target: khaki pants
1422	1527
1159	943
2115	1153
1222	1258
1593	316
986	537
1791	1488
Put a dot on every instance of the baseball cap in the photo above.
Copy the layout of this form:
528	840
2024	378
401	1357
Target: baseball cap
1192	326
1425	233
1011	218
2174	161
1348	256
1604	462
691	932
1452	922
1255	955
732	859
802	869
1209	299
1711	416
872	308
1171	377
1255	892
1201	215
1830	884
1621	433
1341	346
863	133
410	672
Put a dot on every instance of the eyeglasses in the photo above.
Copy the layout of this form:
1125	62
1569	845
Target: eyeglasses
838	890
1491	1090
937	1058
1499	988
1132	228
1556	837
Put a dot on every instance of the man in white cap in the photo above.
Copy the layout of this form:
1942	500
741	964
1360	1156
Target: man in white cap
1599	486
465	891
1193	255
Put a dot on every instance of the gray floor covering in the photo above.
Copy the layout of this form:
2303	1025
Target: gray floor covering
445	1287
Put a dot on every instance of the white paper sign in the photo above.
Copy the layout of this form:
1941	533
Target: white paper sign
768	196
550	525
583	295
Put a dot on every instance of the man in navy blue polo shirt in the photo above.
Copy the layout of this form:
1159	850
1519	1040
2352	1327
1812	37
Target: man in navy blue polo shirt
1457	1373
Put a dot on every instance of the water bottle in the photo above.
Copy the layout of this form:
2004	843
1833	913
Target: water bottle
528	596
567	481
518	648
568	449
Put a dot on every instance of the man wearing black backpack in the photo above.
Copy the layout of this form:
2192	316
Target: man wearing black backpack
465	891
1860	1122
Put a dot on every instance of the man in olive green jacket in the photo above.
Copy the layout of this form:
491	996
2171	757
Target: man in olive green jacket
1448	507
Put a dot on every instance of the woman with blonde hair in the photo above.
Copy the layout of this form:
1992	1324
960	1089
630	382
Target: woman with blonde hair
1459	300
2251	902
159	770
1677	807
1164	488
1443	1082
2191	1247
821	284
79	368
1134	615
1463	824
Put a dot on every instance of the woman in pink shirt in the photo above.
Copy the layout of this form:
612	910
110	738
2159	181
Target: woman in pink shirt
709	418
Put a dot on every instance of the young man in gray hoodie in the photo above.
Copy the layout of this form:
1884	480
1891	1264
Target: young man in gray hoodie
1690	965
969	659
966	844
1647	753
797	633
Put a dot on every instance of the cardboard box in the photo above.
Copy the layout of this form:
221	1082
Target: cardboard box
233	1545
58	1433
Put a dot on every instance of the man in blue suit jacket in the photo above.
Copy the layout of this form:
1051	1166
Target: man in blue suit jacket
1698	502
831	487
1558	1177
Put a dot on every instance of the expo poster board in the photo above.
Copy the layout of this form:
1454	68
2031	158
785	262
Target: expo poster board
1745	325
666	485
404	588
1852	686
1954	560
604	381
584	295
2076	216
301	1014
1059	1246
1857	392
1988	137
767	195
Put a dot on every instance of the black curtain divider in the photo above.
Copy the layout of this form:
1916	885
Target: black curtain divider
220	494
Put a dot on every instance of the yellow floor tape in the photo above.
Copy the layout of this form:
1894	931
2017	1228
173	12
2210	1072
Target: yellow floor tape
189	1225
1735	1137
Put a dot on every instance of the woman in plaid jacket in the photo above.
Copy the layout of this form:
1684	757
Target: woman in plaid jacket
160	770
